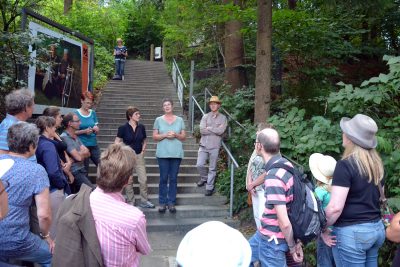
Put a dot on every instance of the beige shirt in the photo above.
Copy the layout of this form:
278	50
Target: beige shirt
212	127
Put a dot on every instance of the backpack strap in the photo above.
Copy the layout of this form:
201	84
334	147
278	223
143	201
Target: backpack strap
280	165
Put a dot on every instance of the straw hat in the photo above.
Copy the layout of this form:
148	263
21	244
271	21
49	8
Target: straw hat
5	165
361	130
214	99
225	247
322	167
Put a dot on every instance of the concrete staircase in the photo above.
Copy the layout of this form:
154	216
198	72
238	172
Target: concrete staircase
145	85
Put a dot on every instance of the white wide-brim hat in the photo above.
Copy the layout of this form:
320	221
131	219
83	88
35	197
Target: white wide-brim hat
5	166
322	167
361	130
214	244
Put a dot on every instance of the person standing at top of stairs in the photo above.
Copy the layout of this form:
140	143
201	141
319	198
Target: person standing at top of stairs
134	135
120	54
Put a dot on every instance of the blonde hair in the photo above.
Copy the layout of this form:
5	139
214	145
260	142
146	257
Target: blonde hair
368	161
116	166
327	187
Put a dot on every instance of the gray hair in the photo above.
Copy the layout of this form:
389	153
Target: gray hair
21	136
18	100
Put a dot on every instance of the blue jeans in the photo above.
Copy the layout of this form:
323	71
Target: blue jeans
41	256
169	168
120	67
267	253
94	156
80	178
358	245
324	255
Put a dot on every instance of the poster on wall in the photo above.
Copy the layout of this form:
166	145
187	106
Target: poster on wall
65	76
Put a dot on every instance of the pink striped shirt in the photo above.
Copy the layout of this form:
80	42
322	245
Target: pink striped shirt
278	191
121	229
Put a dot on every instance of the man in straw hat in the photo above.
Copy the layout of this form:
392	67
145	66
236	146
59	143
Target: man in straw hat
212	127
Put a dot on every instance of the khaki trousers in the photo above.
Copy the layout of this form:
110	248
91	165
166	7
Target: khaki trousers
142	178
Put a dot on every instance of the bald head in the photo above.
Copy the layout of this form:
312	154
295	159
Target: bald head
269	139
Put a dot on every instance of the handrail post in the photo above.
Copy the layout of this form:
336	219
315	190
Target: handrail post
231	197
192	122
229	136
205	100
191	92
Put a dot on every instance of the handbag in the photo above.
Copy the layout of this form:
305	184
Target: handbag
386	212
249	199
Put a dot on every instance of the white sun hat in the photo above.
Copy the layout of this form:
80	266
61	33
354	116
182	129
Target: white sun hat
322	167
214	244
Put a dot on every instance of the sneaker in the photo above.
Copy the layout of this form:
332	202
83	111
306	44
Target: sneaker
147	204
201	183
209	192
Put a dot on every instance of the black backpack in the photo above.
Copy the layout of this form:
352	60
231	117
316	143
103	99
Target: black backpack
305	212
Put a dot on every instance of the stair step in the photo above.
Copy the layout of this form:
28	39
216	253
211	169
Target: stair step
145	85
153	169
164	224
188	211
189	199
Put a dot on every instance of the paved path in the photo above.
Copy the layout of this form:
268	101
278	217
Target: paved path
164	245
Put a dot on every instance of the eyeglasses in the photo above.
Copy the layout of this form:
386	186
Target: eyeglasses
5	185
256	142
76	121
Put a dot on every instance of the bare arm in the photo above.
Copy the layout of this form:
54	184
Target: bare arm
260	180
336	204
84	131
3	151
393	230
67	168
80	155
181	136
3	202
44	215
117	140
144	145
115	52
158	136
43	210
286	227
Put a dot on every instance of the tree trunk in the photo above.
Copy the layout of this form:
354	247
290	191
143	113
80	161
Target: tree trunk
292	4
263	61
234	53
67	6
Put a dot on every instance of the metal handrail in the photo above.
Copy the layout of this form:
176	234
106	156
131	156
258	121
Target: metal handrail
179	72
233	162
178	81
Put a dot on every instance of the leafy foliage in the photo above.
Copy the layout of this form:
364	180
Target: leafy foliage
143	29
